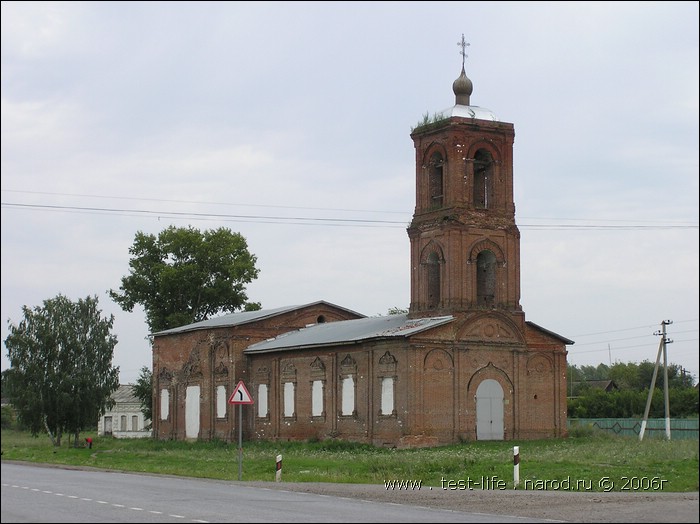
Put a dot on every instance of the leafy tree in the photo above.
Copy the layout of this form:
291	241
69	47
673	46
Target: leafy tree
684	402
626	376
638	376
8	417
645	372
184	276
599	372
143	389
61	376
629	401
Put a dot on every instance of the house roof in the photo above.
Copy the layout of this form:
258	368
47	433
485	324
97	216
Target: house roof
348	332
607	385
565	340
245	317
125	394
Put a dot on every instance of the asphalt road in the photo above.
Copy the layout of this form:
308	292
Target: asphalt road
36	493
543	505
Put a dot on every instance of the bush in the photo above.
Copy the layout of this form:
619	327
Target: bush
586	431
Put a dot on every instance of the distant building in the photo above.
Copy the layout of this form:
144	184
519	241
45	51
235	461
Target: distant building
577	387
462	364
605	385
125	419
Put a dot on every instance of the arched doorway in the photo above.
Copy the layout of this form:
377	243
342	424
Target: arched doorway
489	410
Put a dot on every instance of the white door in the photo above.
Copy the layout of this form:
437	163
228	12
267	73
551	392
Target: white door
489	411
192	412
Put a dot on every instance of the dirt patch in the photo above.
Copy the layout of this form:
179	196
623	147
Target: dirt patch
553	505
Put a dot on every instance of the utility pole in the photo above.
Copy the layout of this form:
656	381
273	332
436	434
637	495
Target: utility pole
662	348
666	341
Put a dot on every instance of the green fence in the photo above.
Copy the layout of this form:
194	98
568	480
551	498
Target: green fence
681	429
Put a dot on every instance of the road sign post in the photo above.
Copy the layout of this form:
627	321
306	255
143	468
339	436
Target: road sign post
240	441
240	396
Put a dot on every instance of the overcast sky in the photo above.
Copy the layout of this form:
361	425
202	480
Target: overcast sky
289	123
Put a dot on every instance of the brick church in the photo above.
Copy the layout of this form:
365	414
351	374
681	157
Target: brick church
463	364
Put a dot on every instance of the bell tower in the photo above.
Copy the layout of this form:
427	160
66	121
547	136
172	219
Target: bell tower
465	245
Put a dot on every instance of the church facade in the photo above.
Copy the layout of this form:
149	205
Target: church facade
463	364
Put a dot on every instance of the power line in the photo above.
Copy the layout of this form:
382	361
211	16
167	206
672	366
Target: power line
630	338
627	347
648	326
143	199
312	220
178	214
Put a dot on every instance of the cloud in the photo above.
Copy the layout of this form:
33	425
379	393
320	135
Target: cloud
290	123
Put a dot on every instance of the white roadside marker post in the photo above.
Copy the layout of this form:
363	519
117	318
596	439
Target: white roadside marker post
278	471
516	466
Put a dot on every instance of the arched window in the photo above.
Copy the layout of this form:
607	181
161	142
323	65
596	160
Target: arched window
486	278
433	274
483	174
435	182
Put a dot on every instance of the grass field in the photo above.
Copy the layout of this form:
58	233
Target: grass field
585	461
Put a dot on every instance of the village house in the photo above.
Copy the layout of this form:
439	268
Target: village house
125	419
462	364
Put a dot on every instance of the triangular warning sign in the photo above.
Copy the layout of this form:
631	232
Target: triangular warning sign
240	395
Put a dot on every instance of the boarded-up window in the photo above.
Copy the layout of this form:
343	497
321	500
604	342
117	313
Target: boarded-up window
221	401
262	400
289	399
134	423
348	396
192	405
164	404
122	423
387	395
317	398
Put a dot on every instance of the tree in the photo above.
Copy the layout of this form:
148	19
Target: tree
143	389
61	376
185	276
633	381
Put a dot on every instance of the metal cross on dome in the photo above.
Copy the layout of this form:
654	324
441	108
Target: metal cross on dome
463	52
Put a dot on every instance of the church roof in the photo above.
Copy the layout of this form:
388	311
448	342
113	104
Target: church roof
244	317
463	88
480	113
348	332
550	333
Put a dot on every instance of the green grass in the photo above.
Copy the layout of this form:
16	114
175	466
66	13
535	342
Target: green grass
586	459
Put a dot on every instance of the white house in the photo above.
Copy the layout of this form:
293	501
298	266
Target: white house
125	419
